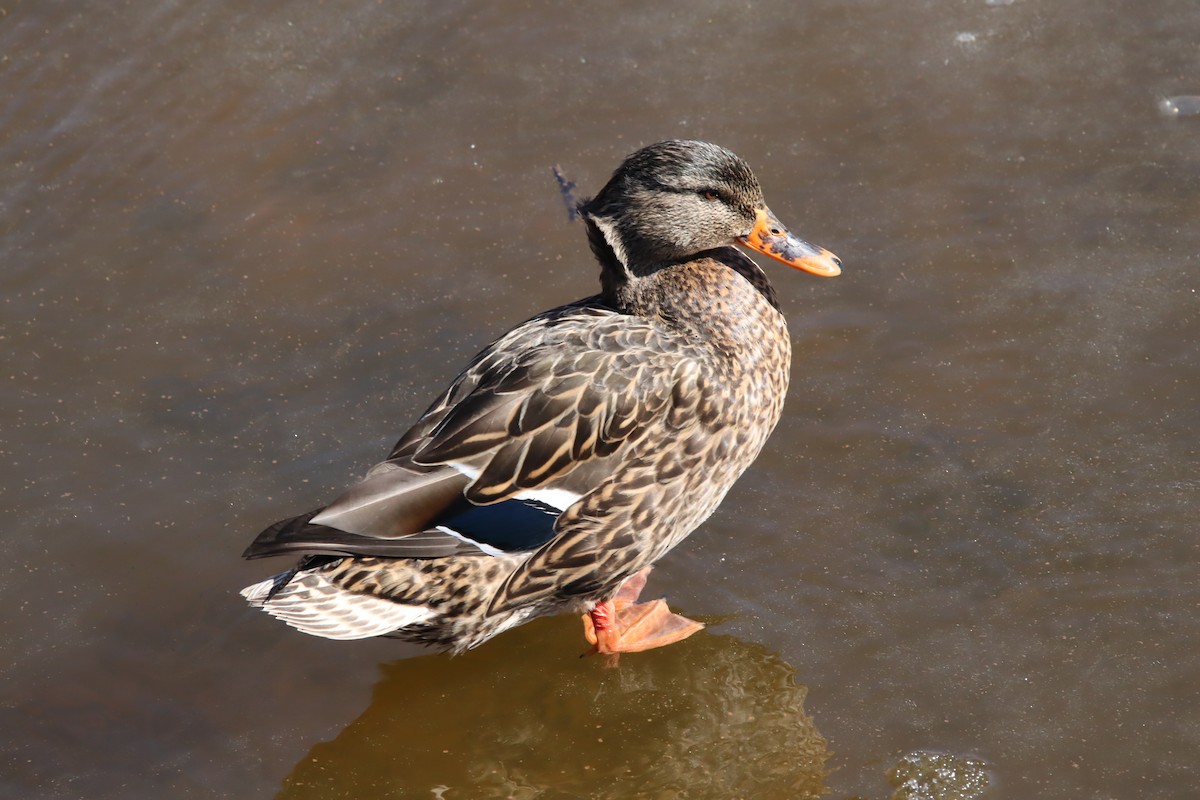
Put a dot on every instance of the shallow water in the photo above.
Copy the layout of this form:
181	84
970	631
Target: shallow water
244	244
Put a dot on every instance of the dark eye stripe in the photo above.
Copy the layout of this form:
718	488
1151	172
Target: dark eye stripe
708	193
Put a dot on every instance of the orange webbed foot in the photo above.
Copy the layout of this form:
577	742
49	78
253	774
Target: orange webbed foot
621	625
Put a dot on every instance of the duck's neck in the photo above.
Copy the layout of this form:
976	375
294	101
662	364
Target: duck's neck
718	300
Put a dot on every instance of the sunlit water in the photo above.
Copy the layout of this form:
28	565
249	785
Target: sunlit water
243	244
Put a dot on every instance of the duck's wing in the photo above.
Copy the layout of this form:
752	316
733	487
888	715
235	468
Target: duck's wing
536	421
547	408
392	512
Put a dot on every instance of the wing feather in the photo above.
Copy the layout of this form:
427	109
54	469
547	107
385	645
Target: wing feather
568	387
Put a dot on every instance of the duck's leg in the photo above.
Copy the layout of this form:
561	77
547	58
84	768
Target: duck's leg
621	625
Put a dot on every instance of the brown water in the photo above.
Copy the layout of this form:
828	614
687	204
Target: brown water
244	243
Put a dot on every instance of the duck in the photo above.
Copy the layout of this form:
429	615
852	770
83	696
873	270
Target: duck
580	447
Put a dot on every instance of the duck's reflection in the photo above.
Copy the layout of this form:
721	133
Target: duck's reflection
709	717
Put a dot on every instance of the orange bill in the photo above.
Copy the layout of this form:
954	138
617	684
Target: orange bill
769	237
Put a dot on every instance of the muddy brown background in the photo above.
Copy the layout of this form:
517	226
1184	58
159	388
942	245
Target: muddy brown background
243	244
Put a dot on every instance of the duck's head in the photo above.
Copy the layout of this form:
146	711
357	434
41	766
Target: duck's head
674	199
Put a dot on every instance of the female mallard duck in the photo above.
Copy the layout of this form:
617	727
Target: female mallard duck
577	449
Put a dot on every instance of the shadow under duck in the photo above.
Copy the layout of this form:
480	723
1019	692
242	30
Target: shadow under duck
580	447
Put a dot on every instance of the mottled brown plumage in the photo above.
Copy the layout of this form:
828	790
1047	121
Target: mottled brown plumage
578	448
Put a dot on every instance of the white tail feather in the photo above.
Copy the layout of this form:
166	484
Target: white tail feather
312	604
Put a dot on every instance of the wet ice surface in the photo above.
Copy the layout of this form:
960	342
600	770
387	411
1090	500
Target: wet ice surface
939	776
244	244
1181	106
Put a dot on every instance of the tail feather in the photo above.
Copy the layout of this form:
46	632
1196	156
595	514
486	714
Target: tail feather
309	602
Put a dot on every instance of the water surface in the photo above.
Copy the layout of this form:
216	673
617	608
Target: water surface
243	244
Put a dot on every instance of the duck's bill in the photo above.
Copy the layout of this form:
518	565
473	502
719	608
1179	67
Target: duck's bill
771	238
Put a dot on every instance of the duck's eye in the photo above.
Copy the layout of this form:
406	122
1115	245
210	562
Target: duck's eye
710	194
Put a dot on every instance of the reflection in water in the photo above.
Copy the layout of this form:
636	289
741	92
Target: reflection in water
710	717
